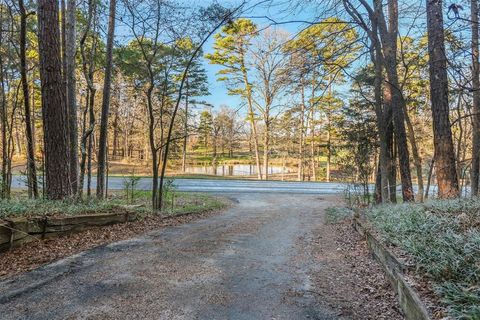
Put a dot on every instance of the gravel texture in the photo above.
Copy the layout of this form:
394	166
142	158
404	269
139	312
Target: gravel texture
268	257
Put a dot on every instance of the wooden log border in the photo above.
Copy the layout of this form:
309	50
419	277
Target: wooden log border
408	298
15	232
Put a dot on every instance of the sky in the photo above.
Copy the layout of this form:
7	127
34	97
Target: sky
278	10
412	13
289	18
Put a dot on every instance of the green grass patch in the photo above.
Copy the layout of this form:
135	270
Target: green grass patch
185	202
29	207
174	203
443	238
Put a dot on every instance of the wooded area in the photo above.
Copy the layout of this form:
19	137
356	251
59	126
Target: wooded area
362	93
120	117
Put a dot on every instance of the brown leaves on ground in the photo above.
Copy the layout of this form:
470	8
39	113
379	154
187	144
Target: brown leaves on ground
349	279
37	253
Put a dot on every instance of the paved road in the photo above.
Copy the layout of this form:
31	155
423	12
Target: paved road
222	186
252	262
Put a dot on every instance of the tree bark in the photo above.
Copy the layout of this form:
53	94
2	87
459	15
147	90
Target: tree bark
102	146
474	171
70	53
55	122
3	119
392	164
392	93
417	160
442	135
383	117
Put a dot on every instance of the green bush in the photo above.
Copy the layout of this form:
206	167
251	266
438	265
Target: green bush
443	237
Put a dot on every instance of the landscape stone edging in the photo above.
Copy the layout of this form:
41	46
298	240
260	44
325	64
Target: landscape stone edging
15	232
408	298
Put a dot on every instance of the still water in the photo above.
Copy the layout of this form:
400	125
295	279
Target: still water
234	170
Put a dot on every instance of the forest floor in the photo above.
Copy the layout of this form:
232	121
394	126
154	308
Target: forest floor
268	248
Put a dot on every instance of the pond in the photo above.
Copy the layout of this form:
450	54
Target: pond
234	169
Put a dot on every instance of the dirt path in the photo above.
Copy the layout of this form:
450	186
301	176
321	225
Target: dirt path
259	260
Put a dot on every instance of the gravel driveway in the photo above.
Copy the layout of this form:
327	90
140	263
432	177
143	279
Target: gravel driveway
255	261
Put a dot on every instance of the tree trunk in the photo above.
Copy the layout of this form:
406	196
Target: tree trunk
31	169
329	148
301	131
474	171
55	122
88	69
429	178
89	164
185	130
63	45
115	134
460	141
253	125
3	119
378	184
312	144
392	93
102	146
70	53
266	147
442	135
392	164
86	138
153	148
383	118
417	160
251	116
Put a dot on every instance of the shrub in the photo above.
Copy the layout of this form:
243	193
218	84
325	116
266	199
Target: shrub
443	238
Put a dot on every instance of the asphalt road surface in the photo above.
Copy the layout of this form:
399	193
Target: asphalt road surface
251	262
224	186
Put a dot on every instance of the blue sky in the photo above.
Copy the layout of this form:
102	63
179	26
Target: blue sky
280	11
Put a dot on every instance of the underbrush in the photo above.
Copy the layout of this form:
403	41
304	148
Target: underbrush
31	207
443	238
175	203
